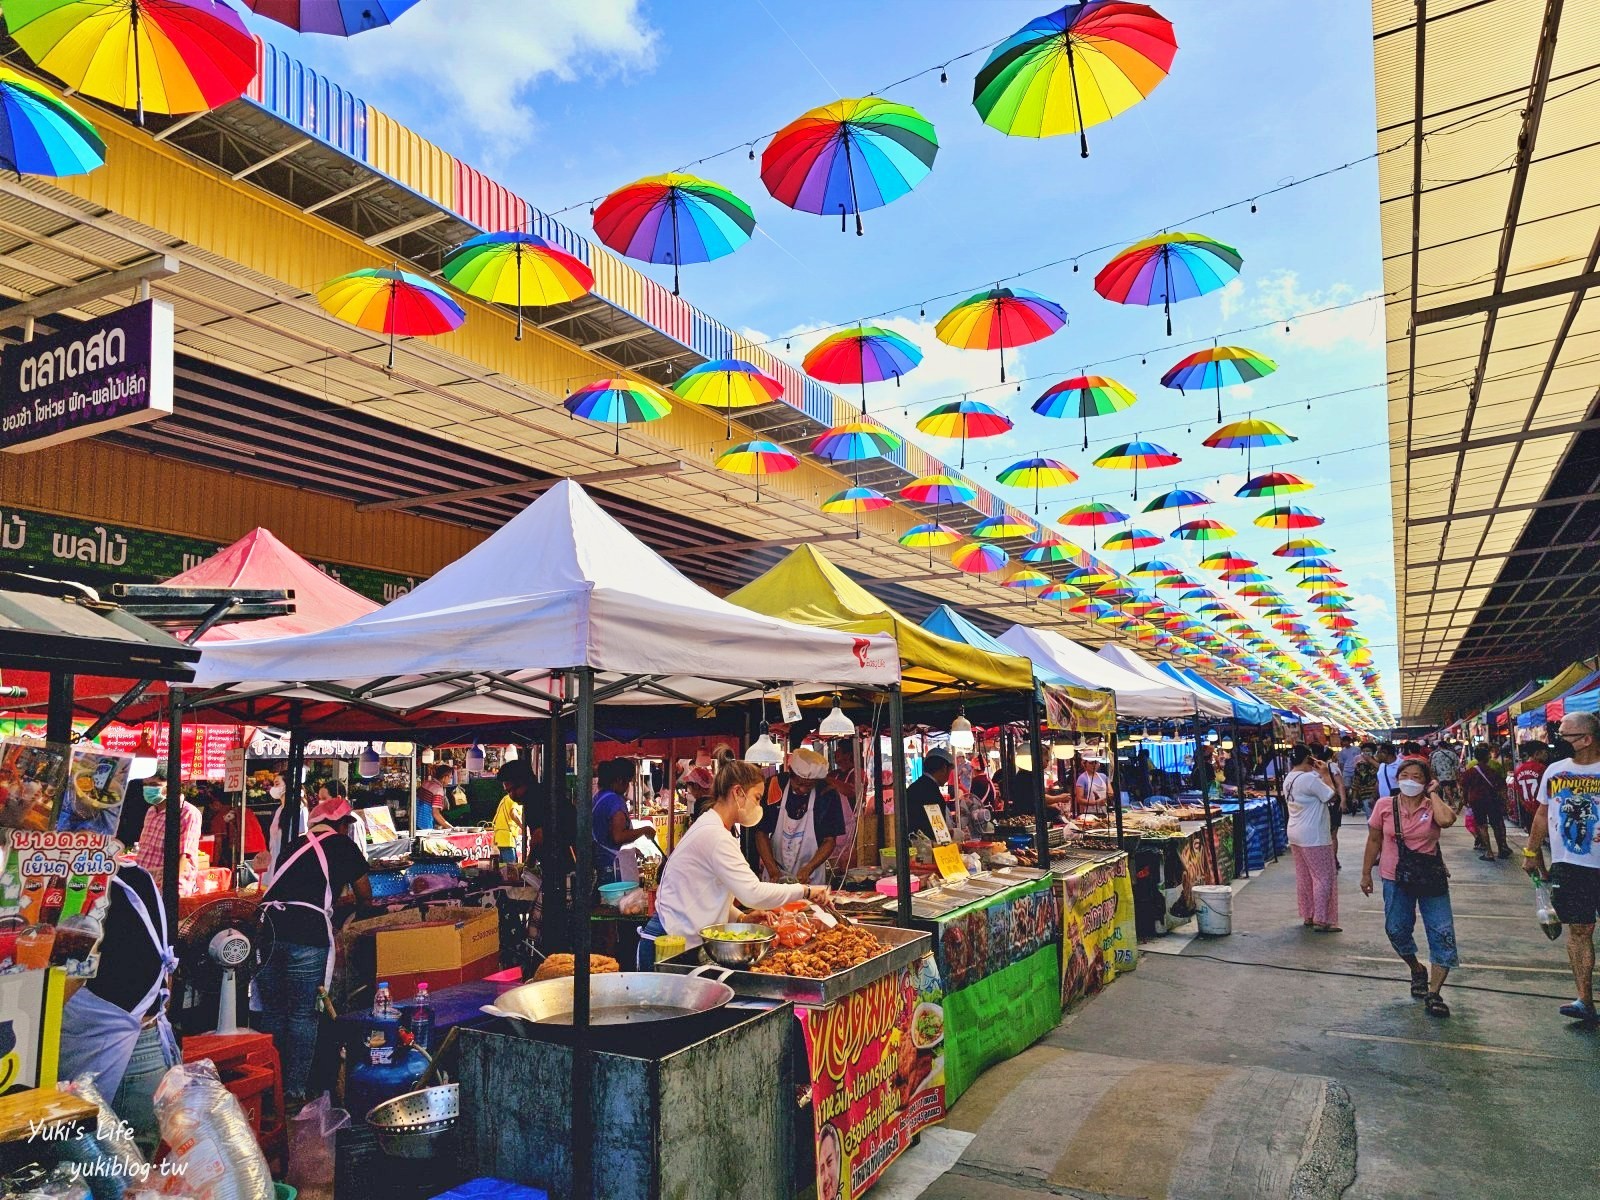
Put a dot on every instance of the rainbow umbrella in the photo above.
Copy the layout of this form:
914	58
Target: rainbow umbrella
1093	515
1131	456
1309	563
1288	516
1166	269
758	459
1217	367
517	268
1178	498
1026	579
863	355
1227	560
964	419
1154	568
854	441
1049	548
41	134
998	318
1084	396
1203	531
618	401
673	218
1111	54
929	535
166	56
1301	547
939	490
1060	591
979	558
388	300
1242	575
849	156
1246	435
1273	484
1037	473
1132	539
855	501
1004	524
1088	576
727	383
340	18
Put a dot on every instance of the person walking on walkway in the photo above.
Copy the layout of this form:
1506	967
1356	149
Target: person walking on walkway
1485	788
1388	770
1364	786
1525	782
1446	763
1309	792
1403	842
1569	814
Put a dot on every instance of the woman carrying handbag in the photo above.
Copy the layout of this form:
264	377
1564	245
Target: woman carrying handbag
1403	842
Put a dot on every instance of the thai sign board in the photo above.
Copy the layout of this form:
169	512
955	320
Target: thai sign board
104	374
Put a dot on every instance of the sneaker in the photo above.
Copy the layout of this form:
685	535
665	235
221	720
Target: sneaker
1579	1011
1505	852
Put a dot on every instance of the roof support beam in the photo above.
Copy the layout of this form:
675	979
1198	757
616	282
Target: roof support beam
1498	300
182	123
531	487
631	336
1552	502
162	266
292	148
399	231
574	314
352	190
809	539
1502	439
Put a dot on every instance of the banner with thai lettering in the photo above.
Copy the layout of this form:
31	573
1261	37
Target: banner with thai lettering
1098	936
1082	709
205	747
876	1061
54	890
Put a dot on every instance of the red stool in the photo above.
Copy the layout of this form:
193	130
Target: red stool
249	1066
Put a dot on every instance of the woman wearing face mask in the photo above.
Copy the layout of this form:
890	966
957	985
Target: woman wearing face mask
1408	825
706	872
1308	789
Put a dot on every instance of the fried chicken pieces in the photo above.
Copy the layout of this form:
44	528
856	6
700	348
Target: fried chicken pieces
827	953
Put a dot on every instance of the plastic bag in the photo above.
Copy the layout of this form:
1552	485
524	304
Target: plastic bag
1544	910
214	1154
108	1160
311	1148
634	903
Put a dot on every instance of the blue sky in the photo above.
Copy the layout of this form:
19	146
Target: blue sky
595	93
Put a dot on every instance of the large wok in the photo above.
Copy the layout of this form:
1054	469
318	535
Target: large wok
616	998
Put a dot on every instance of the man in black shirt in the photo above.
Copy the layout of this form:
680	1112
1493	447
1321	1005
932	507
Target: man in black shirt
314	873
928	789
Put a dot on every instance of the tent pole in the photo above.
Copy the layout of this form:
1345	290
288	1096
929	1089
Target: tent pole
1240	858
877	775
553	872
582	1124
1205	803
411	801
902	817
58	712
171	846
1115	787
1041	822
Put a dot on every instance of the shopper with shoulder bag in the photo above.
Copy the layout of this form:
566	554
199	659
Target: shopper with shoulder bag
1403	842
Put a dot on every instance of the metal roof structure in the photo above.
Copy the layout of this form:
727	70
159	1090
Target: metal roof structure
1489	157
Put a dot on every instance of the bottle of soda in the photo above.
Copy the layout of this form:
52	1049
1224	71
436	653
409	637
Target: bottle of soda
418	1018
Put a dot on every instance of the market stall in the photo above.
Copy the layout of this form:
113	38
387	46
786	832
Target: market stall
1098	937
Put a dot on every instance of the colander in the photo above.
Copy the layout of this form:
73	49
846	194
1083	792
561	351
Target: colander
412	1125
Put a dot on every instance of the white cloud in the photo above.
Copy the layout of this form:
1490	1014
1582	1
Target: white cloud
483	56
1353	319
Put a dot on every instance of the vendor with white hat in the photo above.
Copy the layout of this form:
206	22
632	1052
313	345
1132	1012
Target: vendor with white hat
798	833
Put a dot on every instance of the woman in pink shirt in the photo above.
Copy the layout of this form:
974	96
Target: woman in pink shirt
1423	813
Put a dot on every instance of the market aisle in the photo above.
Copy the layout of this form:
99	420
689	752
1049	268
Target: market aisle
1123	1098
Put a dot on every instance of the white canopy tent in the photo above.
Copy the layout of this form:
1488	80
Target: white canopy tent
1203	704
1136	695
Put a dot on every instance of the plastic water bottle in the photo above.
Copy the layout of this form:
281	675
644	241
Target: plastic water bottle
382	1004
1545	911
418	1018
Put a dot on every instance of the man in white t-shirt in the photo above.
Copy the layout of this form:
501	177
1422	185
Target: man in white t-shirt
1092	790
1388	771
1569	814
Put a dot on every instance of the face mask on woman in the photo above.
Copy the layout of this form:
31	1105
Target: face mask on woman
1412	787
749	812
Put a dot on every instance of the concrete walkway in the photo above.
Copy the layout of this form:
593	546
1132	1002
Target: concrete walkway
1279	1062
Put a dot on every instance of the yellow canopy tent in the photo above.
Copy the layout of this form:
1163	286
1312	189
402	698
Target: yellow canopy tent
1554	689
808	589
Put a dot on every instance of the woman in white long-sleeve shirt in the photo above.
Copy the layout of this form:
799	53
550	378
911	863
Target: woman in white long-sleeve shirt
1308	789
706	873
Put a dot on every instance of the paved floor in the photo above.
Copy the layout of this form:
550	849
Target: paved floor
1500	1100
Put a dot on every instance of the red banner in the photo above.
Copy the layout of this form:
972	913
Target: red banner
877	1075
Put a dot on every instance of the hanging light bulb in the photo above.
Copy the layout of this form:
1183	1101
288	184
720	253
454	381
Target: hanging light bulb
764	752
961	739
475	760
510	755
836	724
144	758
426	757
369	765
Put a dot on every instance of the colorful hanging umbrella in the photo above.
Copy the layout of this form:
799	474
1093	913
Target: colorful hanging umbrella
1226	560
964	419
1288	516
1132	539
849	156
863	355
1132	456
1084	396
1308	564
1074	68
928	535
1204	531
1179	498
1217	367
340	18
619	402
1301	547
939	489
1166	269
979	558
727	383
1050	549
517	268
758	459
1093	515
673	218
854	441
391	301
1060	591
41	134
855	501
998	318
1037	473
1088	576
1005	524
1026	579
1248	434
163	56
1154	568
1273	484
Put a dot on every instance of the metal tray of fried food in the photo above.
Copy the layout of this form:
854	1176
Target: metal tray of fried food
903	946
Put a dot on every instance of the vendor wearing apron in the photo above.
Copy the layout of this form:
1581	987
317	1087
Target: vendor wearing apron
115	1026
299	906
798	833
613	823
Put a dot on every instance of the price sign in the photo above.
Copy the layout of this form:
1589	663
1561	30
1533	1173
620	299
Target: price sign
948	860
233	771
789	705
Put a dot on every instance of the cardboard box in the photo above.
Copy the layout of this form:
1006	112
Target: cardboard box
404	986
449	940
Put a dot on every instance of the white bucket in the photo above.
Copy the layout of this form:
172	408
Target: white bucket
1215	910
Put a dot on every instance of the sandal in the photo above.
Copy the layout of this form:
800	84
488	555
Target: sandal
1419	984
1433	1004
1308	924
1327	929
